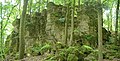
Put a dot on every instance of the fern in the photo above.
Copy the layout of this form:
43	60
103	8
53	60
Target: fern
45	48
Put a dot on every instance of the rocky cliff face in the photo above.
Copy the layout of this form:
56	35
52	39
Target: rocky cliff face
49	25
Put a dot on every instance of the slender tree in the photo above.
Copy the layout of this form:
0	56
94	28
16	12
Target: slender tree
116	26
100	55
39	5
21	31
79	5
72	23
19	6
108	21
66	25
1	40
30	7
111	19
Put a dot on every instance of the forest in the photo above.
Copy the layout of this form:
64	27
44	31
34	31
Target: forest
59	30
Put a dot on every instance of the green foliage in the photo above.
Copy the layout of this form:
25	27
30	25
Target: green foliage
72	57
71	53
92	56
45	48
11	11
108	4
88	37
35	50
8	12
39	49
72	49
111	51
59	45
85	48
60	22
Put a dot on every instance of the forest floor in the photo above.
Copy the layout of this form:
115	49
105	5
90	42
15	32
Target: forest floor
115	59
34	58
42	58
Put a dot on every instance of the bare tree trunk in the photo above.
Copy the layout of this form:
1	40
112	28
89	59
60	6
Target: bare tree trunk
19	6
1	27
108	22
111	19
66	25
39	5
1	35
72	24
78	5
116	26
30	7
21	32
100	55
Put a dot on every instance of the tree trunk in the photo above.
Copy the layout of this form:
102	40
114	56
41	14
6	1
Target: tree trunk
72	24
100	55
19	6
78	5
39	6
66	25
30	8
111	19
108	22
22	31
1	35
116	26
